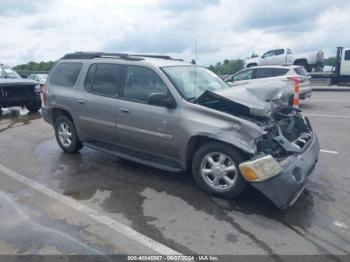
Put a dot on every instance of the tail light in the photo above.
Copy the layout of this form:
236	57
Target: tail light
296	79
45	93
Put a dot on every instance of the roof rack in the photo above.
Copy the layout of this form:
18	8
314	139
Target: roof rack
91	55
158	56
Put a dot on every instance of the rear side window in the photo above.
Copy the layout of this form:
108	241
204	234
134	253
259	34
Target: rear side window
301	71
66	74
279	52
280	71
103	79
347	55
264	72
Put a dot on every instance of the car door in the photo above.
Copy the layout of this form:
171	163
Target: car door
142	127
267	58
97	107
279	57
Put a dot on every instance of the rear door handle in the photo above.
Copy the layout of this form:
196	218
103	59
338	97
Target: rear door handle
124	110
82	102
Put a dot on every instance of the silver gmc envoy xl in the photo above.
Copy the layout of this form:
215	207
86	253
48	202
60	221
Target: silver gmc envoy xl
177	116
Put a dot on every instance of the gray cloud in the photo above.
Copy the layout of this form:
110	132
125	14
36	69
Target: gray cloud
186	5
286	16
153	43
18	7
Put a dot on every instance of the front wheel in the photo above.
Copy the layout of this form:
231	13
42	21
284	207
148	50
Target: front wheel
34	107
215	169
66	135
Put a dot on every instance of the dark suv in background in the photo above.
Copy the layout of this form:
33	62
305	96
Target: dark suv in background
17	91
176	116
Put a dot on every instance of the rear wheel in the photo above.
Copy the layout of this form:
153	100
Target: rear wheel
66	135
307	67
215	169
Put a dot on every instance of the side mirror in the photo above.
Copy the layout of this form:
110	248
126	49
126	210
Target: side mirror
161	99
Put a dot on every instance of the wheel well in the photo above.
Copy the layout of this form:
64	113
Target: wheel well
252	64
56	112
196	142
300	61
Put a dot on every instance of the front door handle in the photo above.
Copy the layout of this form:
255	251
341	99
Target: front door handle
124	110
82	102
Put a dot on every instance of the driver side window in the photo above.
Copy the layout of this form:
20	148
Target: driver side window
269	54
140	82
245	75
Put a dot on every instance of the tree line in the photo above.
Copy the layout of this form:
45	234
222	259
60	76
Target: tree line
33	66
226	67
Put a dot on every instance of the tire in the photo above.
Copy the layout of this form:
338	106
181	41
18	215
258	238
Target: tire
207	182
307	67
34	107
66	135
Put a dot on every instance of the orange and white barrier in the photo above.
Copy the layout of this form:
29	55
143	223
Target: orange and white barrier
296	94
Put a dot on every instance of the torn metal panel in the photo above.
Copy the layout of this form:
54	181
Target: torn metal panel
258	99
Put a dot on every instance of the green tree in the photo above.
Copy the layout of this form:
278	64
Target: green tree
227	67
330	61
34	66
254	55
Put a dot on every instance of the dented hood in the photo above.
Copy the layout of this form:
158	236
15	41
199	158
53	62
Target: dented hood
17	82
260	99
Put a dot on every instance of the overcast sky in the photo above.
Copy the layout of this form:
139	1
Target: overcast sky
42	30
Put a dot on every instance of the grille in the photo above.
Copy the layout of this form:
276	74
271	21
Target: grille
16	91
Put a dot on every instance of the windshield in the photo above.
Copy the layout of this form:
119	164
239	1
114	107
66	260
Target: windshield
192	81
42	77
8	72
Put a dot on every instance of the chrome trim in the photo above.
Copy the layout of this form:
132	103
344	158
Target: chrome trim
94	120
145	131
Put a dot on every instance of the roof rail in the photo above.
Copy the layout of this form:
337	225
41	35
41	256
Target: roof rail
91	55
158	56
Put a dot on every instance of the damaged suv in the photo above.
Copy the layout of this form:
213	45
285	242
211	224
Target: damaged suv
176	116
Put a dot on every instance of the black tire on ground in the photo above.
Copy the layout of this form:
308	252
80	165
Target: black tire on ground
307	67
34	107
75	144
237	157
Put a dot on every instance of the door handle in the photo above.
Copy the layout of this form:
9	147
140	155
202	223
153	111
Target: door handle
82	102
125	110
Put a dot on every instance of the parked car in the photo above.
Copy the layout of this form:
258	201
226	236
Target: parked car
263	73
16	91
282	56
40	79
177	116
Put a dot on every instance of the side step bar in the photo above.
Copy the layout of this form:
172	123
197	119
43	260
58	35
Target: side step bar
144	161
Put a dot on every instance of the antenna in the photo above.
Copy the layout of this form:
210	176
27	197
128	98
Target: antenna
195	67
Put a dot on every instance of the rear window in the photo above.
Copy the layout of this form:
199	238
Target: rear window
66	74
280	71
301	71
264	72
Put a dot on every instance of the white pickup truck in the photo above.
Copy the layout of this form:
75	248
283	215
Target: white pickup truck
282	56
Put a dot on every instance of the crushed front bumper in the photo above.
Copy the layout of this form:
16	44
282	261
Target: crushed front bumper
284	189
